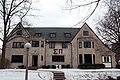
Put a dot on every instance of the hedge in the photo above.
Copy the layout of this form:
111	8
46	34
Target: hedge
118	66
91	66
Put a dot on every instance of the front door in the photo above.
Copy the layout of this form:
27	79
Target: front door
35	60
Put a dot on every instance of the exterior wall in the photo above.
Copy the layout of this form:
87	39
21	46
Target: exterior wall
99	49
66	52
71	54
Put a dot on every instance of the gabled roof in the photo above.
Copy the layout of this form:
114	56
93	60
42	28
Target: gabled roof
59	31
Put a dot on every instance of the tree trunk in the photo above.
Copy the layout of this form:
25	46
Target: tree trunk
3	55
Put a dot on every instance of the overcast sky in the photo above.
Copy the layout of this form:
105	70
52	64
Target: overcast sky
53	13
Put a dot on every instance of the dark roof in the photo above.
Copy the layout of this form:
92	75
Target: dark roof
59	33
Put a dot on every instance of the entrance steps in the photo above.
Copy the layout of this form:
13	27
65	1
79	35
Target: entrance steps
58	75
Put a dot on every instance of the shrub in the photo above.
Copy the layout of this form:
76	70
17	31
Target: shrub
53	66
118	66
91	66
66	66
45	67
21	67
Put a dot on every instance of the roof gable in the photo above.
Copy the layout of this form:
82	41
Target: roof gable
13	33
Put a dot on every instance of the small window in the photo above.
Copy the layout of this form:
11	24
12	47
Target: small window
85	33
41	58
42	43
92	44
19	32
80	44
38	34
64	45
80	59
57	58
51	45
94	58
35	43
17	59
87	44
18	45
67	35
106	58
52	35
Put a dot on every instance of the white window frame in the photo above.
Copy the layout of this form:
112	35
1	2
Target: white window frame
104	59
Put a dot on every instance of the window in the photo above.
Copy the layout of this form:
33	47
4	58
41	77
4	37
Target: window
42	43
57	58
67	35
18	45
80	44
80	58
85	33
38	34
52	45
64	45
17	59
19	32
41	58
87	44
92	44
88	58
106	58
52	35
35	43
94	58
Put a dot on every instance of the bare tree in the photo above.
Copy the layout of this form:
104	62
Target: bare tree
109	26
10	10
77	4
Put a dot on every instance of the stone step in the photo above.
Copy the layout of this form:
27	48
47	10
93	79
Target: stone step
58	75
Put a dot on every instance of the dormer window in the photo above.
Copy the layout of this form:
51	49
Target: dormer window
19	32
38	34
67	35
85	33
52	35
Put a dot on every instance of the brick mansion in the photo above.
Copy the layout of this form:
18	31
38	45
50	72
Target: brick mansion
57	46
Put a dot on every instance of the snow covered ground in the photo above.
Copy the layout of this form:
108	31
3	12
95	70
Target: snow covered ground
70	74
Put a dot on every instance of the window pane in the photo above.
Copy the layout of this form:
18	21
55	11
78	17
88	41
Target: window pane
17	59
18	45
57	58
35	43
42	43
94	58
92	44
106	59
85	33
38	34
19	32
87	44
80	44
52	45
64	45
80	59
41	58
52	35
68	35
88	58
